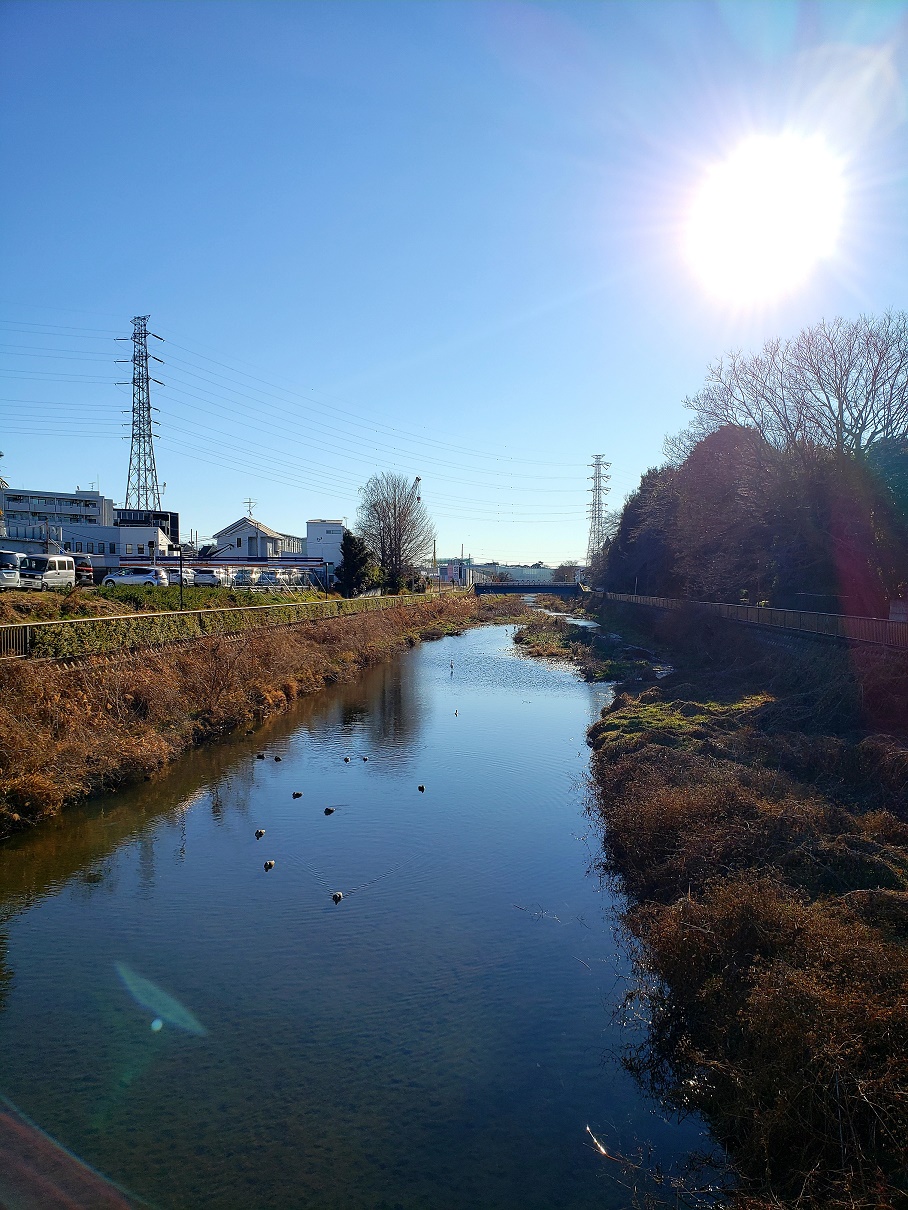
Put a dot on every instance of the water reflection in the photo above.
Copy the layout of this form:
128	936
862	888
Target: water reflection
418	1042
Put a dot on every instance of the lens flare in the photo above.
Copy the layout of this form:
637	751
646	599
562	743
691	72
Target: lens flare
764	218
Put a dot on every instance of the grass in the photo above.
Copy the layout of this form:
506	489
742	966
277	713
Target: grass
66	733
755	813
599	657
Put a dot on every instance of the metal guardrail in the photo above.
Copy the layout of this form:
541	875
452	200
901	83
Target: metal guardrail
21	640
879	631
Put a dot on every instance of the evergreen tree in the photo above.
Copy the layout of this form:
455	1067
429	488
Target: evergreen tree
353	571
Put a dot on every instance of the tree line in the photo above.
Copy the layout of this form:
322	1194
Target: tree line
789	485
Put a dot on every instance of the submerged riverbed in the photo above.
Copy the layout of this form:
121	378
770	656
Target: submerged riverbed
212	1034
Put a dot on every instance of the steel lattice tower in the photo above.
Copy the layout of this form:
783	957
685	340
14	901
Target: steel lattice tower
142	489
596	507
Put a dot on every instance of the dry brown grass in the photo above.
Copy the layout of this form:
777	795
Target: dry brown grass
69	732
762	838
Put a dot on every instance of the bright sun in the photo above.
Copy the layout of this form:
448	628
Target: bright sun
764	217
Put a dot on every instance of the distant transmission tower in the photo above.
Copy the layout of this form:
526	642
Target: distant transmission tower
596	508
142	489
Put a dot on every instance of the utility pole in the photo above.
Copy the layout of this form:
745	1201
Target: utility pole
142	491
596	507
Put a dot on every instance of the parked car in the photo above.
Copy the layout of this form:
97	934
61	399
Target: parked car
189	580
212	577
155	577
85	572
246	577
274	577
9	569
42	572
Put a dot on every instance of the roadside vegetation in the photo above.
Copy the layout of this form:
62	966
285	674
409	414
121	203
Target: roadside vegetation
98	602
66	733
754	806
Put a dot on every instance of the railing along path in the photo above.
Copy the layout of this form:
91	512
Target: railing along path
64	638
879	631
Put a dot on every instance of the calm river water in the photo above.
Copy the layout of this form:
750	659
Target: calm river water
210	1034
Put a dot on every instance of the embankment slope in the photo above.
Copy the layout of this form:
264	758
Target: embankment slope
66	733
755	811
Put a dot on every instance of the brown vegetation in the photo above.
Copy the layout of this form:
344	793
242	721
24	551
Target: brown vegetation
757	817
69	732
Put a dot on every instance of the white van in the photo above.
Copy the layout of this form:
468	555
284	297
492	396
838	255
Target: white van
9	569
47	571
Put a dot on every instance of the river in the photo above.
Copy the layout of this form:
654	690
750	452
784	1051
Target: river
211	1034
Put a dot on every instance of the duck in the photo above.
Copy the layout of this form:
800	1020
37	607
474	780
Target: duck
278	758
346	760
337	896
421	789
259	833
329	810
297	794
260	756
365	758
269	865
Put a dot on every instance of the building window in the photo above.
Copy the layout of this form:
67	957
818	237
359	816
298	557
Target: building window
90	547
113	547
239	543
67	546
140	548
129	548
78	548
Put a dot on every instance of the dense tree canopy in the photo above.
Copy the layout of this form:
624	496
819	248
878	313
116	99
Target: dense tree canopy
791	483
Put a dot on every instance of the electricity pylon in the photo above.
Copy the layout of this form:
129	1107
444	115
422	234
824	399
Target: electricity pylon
596	507
142	490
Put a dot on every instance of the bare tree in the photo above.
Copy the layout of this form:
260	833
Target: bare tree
566	572
395	525
840	386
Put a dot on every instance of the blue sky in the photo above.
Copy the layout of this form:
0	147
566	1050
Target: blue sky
441	238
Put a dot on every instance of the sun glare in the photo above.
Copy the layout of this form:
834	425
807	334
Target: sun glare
764	217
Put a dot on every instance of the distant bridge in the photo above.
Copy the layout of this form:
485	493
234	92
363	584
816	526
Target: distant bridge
528	586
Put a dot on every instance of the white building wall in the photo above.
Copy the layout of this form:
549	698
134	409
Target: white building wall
323	540
108	545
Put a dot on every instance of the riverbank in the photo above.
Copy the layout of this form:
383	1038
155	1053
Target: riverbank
67	733
755	812
549	633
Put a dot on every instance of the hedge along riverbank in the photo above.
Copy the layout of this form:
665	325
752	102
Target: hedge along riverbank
62	638
755	812
68	732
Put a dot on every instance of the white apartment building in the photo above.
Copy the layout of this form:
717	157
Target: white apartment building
83	522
